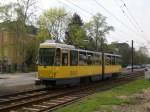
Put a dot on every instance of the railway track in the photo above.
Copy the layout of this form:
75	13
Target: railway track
48	100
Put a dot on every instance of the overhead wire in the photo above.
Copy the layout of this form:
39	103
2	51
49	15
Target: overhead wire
125	5
109	12
135	21
125	14
75	6
79	7
129	28
92	14
60	1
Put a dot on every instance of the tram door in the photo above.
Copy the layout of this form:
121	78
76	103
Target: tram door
56	68
58	57
73	63
65	57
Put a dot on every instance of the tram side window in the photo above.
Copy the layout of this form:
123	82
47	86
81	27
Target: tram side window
113	60
108	60
90	58
58	57
65	58
82	58
97	59
73	58
118	60
100	59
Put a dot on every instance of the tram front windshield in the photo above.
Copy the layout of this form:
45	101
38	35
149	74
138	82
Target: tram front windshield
46	56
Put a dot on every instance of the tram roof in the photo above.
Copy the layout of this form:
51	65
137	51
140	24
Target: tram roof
51	44
56	45
108	54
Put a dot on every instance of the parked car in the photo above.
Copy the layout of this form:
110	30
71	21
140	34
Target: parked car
128	67
134	67
147	65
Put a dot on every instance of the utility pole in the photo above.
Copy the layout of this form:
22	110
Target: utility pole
103	66
132	61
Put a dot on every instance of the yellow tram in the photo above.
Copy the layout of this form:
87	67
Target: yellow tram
64	64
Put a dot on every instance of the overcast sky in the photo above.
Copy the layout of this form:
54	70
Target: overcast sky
125	26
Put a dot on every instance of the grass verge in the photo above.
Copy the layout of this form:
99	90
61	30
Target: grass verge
105	100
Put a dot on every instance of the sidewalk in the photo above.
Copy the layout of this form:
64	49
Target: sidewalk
17	79
10	83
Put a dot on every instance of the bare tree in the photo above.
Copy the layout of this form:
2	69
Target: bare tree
54	21
16	18
97	29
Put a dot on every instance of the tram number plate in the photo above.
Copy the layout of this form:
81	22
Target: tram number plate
52	75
